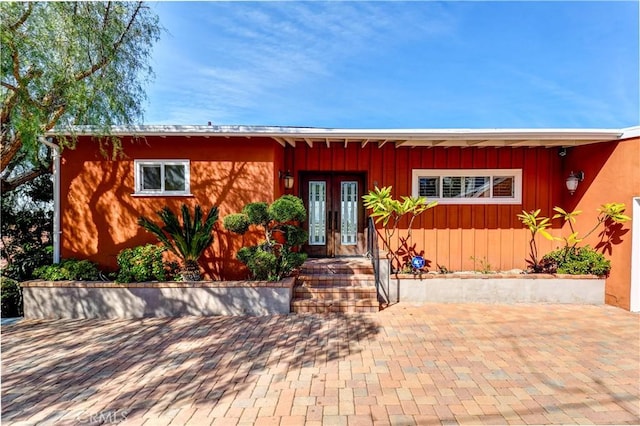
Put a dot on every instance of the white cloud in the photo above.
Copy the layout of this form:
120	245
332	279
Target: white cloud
241	56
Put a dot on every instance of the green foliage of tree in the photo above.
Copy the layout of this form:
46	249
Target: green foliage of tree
11	298
65	64
188	238
25	226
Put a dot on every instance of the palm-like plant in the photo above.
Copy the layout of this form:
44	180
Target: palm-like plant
187	240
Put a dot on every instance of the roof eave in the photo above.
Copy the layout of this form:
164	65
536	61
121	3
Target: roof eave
399	137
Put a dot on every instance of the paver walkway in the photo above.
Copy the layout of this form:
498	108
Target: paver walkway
466	364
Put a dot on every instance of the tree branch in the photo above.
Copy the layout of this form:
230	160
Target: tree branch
105	59
56	116
23	18
8	185
9	149
7	106
9	86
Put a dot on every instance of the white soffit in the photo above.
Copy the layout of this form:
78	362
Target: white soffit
400	138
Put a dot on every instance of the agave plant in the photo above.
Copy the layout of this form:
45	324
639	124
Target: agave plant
187	240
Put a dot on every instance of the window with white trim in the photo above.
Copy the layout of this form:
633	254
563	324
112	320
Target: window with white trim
162	177
468	186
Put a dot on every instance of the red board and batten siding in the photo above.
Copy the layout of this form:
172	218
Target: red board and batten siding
450	235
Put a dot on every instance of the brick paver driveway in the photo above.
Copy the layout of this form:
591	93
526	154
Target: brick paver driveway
435	364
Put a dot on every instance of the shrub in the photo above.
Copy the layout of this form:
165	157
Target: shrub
260	262
576	261
287	208
11	295
290	260
273	258
236	222
69	269
144	263
257	213
295	235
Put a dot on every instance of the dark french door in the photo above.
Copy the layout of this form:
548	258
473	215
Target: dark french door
335	221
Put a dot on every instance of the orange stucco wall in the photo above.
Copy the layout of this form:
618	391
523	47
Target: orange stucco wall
612	174
100	212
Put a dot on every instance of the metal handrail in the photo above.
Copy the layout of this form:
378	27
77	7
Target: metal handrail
373	252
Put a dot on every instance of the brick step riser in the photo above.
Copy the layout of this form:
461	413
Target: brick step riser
342	271
323	306
331	309
337	284
334	294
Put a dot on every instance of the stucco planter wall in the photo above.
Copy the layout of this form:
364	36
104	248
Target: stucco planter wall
499	289
80	299
490	288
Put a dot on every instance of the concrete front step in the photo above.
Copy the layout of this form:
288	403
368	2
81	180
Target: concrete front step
334	293
320	306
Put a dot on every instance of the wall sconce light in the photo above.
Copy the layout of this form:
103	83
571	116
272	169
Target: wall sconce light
573	180
288	179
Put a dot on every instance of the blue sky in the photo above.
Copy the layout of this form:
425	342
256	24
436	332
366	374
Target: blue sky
382	64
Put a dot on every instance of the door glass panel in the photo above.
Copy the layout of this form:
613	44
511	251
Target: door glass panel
317	210
349	213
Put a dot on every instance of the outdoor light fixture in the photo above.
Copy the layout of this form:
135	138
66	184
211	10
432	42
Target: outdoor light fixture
288	179
573	180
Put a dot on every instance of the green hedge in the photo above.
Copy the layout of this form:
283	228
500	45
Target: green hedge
69	269
144	263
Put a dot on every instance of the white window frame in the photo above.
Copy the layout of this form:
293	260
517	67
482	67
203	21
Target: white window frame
441	173
138	164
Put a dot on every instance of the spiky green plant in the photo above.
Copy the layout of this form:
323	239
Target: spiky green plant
187	240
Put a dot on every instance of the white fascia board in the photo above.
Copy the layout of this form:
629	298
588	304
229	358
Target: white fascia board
389	134
630	132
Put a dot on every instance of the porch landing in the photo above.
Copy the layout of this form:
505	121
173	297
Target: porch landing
335	285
